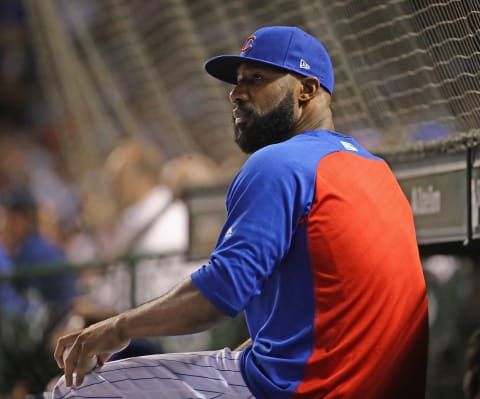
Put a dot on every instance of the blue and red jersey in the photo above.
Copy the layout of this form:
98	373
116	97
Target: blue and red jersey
319	251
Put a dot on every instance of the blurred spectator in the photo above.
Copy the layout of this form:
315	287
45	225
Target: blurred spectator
10	301
471	379
189	170
29	249
453	283
14	311
90	238
24	162
43	301
24	363
196	179
14	162
153	220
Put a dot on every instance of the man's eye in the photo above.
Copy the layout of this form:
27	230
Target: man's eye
257	78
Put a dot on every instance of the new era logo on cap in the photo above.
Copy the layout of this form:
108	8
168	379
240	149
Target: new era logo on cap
304	64
285	47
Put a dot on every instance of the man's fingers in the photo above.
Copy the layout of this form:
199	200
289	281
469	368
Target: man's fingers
77	361
77	353
80	374
85	364
70	362
102	358
62	344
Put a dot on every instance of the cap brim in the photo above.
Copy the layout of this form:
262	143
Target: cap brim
224	67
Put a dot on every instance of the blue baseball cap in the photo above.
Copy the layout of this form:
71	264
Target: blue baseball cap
285	47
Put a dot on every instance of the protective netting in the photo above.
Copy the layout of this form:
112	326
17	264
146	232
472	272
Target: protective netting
407	72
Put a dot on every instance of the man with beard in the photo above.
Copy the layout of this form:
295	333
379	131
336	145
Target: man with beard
318	250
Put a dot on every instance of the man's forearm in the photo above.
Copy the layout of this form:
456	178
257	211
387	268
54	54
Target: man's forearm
183	310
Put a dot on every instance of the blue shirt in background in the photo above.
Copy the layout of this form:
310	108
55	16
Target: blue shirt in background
37	252
10	301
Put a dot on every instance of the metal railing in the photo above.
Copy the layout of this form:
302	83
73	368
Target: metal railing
51	269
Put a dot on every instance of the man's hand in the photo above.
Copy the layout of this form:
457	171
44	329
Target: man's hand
100	340
183	310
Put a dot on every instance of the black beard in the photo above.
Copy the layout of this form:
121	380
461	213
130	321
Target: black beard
271	128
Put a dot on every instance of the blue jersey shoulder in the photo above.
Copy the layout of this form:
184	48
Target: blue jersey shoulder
302	151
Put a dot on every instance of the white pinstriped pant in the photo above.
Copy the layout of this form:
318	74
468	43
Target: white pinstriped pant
195	375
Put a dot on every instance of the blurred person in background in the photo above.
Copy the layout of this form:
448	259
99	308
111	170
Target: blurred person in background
15	165
30	234
189	170
189	176
152	220
44	299
29	249
26	162
25	322
471	378
18	318
10	301
91	236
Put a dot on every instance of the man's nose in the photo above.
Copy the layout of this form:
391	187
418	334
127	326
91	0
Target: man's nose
238	93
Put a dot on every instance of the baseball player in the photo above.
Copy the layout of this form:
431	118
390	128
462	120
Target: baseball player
318	250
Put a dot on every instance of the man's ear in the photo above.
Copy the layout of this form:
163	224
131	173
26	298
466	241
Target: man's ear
309	89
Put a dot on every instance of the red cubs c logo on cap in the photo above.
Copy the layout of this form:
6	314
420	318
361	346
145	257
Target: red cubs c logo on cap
248	44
